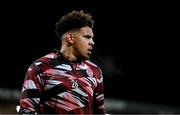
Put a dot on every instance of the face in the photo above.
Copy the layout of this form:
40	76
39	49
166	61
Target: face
83	43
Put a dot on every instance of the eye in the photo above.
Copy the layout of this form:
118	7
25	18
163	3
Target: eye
88	36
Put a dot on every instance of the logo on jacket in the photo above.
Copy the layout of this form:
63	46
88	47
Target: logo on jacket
74	84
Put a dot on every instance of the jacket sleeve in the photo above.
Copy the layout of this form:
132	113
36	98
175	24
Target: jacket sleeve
31	91
98	106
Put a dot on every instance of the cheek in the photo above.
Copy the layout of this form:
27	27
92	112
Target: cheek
80	47
82	44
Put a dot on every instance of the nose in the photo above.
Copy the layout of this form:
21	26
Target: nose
91	42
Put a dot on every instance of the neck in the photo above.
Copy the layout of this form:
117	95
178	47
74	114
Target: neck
68	54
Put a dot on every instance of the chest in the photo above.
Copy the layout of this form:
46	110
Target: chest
81	81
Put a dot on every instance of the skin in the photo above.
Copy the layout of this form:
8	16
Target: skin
77	45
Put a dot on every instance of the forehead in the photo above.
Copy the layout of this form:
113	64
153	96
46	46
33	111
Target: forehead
87	31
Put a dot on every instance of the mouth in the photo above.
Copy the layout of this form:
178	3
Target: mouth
90	50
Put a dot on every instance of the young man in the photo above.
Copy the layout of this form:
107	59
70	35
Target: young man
65	81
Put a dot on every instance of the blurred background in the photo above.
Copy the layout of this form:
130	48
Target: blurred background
136	48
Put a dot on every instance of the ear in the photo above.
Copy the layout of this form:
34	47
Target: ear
70	38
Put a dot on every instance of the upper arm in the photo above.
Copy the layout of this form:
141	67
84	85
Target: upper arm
31	90
99	94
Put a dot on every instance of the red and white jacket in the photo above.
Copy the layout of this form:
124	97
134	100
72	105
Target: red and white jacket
57	86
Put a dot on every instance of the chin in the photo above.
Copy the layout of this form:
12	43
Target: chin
86	57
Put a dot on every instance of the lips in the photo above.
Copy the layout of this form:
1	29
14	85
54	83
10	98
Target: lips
90	50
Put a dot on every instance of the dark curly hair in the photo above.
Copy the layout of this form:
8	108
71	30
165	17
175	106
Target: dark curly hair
73	20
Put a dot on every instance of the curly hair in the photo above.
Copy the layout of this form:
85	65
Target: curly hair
73	20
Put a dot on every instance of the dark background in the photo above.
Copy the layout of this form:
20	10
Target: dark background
136	45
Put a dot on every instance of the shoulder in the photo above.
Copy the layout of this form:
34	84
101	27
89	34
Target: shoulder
94	67
45	61
91	64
